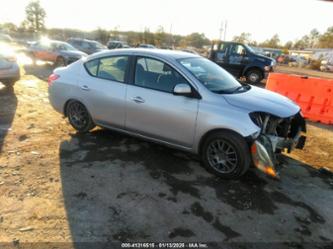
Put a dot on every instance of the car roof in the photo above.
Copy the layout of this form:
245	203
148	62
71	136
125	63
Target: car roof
162	53
82	39
115	41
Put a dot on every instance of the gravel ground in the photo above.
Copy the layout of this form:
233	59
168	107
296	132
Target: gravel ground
303	71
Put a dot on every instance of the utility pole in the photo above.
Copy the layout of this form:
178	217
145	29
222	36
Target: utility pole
225	29
221	30
171	38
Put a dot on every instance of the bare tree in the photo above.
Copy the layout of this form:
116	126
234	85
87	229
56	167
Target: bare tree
35	16
242	38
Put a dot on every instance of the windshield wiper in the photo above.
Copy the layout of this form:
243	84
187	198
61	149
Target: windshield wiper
227	91
244	87
238	88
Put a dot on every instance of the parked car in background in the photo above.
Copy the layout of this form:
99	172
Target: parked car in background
188	50
87	46
146	46
58	52
326	66
181	100
9	69
241	60
6	38
117	44
297	61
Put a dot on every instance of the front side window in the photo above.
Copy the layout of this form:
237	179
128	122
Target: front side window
110	68
212	76
238	50
157	75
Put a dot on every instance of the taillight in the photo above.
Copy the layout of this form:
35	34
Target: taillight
52	78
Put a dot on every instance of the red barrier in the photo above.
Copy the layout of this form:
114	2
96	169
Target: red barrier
313	95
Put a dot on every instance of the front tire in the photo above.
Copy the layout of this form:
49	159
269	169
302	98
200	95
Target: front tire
254	76
226	154
79	117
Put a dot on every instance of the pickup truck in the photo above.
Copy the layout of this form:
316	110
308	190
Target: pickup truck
241	61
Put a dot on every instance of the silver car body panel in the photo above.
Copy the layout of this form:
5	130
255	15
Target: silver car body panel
177	121
258	99
10	71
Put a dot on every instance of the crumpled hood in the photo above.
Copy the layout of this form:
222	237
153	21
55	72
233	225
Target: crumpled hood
74	53
262	100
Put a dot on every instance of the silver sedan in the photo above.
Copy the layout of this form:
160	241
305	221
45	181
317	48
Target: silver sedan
9	69
181	100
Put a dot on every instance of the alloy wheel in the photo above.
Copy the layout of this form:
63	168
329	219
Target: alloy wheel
222	156
78	115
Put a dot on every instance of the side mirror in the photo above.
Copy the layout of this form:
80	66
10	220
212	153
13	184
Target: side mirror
182	89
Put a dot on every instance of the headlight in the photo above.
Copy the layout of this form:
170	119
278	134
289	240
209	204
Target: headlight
273	63
257	118
267	68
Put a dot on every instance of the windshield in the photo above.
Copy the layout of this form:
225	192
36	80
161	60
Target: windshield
250	48
97	45
212	76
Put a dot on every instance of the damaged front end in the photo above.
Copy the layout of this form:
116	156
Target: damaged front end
276	135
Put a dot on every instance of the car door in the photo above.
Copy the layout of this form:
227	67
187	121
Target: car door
54	51
86	47
152	109
221	56
40	51
237	59
103	89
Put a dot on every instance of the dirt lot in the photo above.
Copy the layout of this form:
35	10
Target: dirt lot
303	71
58	186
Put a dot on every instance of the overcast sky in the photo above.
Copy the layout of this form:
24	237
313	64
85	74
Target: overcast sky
290	19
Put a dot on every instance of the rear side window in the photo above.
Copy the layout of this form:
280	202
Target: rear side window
113	68
110	68
92	67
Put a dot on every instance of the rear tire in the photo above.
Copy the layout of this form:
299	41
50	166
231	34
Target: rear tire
79	117
226	154
254	76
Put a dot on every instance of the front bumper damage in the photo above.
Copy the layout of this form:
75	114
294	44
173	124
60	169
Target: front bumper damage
277	135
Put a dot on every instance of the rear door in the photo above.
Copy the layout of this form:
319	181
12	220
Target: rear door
237	59
103	89
152	109
222	55
40	51
53	51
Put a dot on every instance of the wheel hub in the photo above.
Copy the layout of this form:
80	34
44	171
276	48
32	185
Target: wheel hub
253	77
222	156
78	115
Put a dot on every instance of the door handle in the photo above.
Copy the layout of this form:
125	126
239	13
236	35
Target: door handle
85	88
138	100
